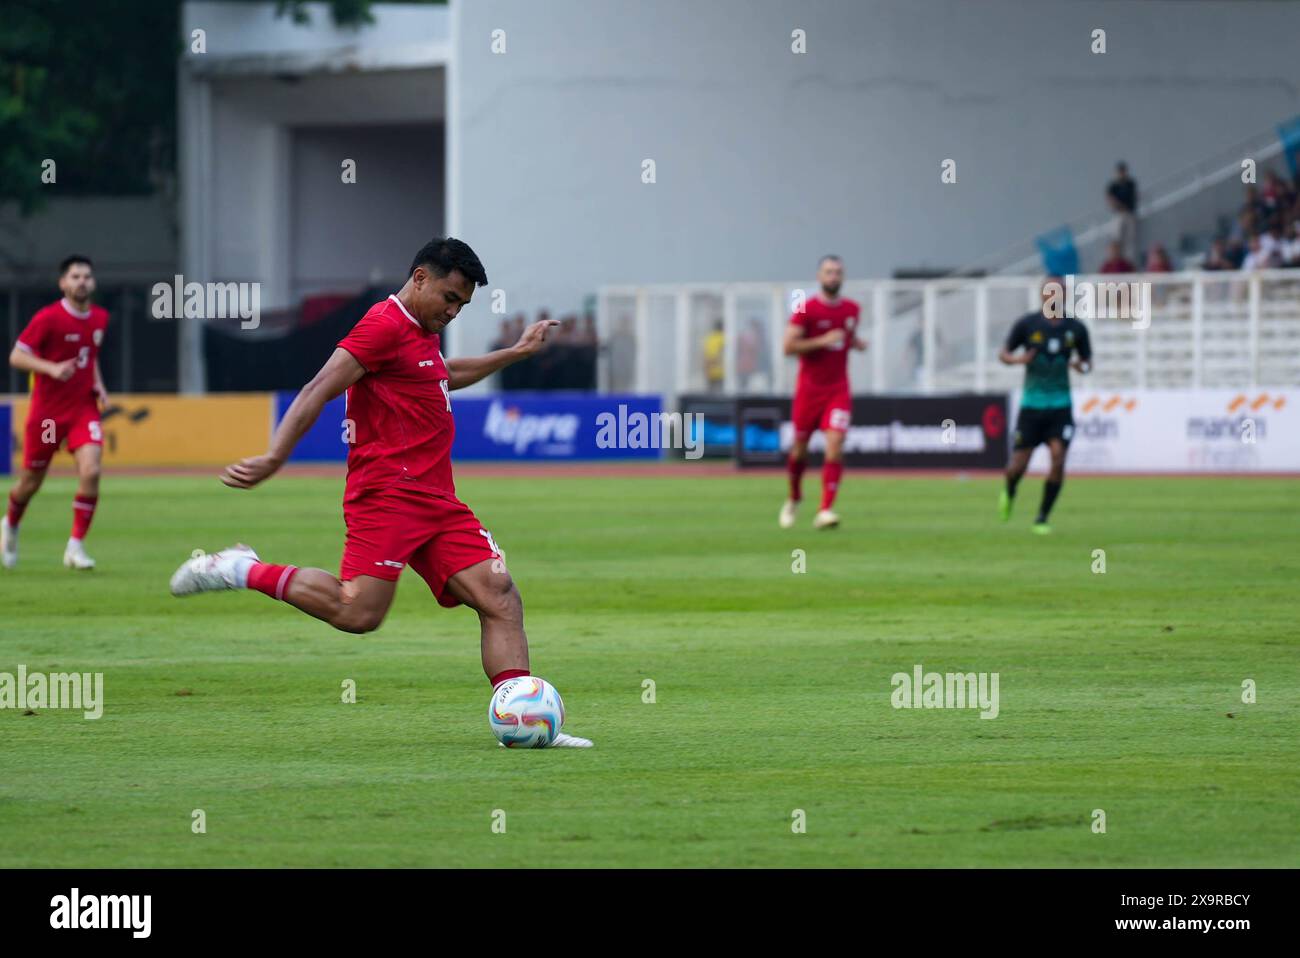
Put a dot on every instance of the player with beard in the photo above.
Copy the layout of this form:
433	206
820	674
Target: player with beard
820	335
60	348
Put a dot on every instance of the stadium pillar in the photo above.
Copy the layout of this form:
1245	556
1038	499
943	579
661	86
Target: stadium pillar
928	344
776	336
682	332
729	330
194	166
1253	329
642	321
879	301
1198	330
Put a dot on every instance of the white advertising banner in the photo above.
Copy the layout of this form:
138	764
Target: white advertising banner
1182	430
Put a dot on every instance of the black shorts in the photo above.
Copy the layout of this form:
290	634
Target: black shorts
1035	426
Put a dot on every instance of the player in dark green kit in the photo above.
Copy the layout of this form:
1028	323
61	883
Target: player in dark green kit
1047	341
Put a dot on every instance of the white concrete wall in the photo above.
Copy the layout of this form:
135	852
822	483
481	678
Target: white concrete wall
130	238
345	235
767	159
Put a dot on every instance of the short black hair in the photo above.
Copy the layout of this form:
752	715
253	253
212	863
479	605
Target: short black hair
829	256
442	255
73	260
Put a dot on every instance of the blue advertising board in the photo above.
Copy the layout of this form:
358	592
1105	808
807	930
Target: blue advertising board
533	426
324	440
556	425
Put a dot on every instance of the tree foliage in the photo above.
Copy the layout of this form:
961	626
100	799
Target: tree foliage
91	84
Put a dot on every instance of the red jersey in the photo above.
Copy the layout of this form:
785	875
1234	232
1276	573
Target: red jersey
401	407
56	334
826	370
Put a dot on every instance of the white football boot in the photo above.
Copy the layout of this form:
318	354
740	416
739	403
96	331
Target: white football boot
227	569
8	543
789	513
825	519
74	556
564	740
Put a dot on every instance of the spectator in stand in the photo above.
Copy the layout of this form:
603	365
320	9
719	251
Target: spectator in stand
1217	257
1257	257
1122	197
1272	242
1158	260
1291	249
1255	207
526	372
621	350
568	361
551	363
1123	188
1276	198
1116	261
1240	236
503	341
1124	229
714	346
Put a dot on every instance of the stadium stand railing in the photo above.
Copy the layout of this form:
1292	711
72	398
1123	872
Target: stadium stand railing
1205	329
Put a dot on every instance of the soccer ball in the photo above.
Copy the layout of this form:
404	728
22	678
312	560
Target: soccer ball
526	712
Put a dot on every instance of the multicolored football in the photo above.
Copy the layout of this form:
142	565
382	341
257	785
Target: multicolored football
526	712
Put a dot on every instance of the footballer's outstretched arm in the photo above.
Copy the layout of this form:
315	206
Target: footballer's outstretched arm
24	360
467	370
795	343
340	372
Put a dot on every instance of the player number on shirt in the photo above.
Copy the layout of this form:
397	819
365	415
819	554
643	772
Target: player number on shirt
83	357
446	393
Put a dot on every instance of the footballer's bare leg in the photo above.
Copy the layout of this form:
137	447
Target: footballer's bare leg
1015	470
29	481
487	588
1052	487
357	605
832	470
794	467
88	458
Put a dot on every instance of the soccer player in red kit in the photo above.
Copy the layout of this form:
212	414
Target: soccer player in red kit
821	335
400	503
60	348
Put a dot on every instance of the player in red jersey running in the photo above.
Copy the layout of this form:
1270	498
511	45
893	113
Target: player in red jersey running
821	335
400	503
60	348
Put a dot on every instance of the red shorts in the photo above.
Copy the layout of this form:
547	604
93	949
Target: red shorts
821	410
391	528
45	434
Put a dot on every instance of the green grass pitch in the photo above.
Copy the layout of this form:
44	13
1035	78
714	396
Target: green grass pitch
1119	691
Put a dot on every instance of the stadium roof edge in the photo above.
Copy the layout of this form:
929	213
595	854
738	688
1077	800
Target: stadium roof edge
249	39
414	56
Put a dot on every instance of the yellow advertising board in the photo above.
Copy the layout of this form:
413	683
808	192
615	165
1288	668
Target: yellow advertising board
155	429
